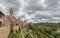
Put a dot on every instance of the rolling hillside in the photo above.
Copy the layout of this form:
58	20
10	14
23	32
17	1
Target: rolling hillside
38	30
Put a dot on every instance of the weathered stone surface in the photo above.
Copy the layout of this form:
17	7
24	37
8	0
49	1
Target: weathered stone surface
10	21
4	32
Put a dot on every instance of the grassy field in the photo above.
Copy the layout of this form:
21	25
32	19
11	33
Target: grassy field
38	30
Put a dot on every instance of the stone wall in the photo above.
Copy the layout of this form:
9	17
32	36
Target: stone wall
4	32
9	21
5	29
15	28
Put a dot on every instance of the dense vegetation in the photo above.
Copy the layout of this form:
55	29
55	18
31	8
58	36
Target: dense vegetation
38	30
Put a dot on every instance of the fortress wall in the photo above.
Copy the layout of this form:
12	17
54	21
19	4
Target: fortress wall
16	28
5	29
4	32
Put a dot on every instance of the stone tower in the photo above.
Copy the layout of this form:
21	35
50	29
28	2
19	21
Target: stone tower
11	12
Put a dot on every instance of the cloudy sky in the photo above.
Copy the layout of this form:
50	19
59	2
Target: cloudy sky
33	10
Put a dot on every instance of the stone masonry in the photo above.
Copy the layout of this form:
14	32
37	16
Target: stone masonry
9	21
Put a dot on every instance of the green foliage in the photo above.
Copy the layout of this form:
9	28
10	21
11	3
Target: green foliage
38	30
57	35
12	35
16	31
28	36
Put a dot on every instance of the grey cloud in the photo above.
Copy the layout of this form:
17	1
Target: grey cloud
30	12
15	4
52	4
33	5
56	13
30	8
22	16
52	7
43	16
